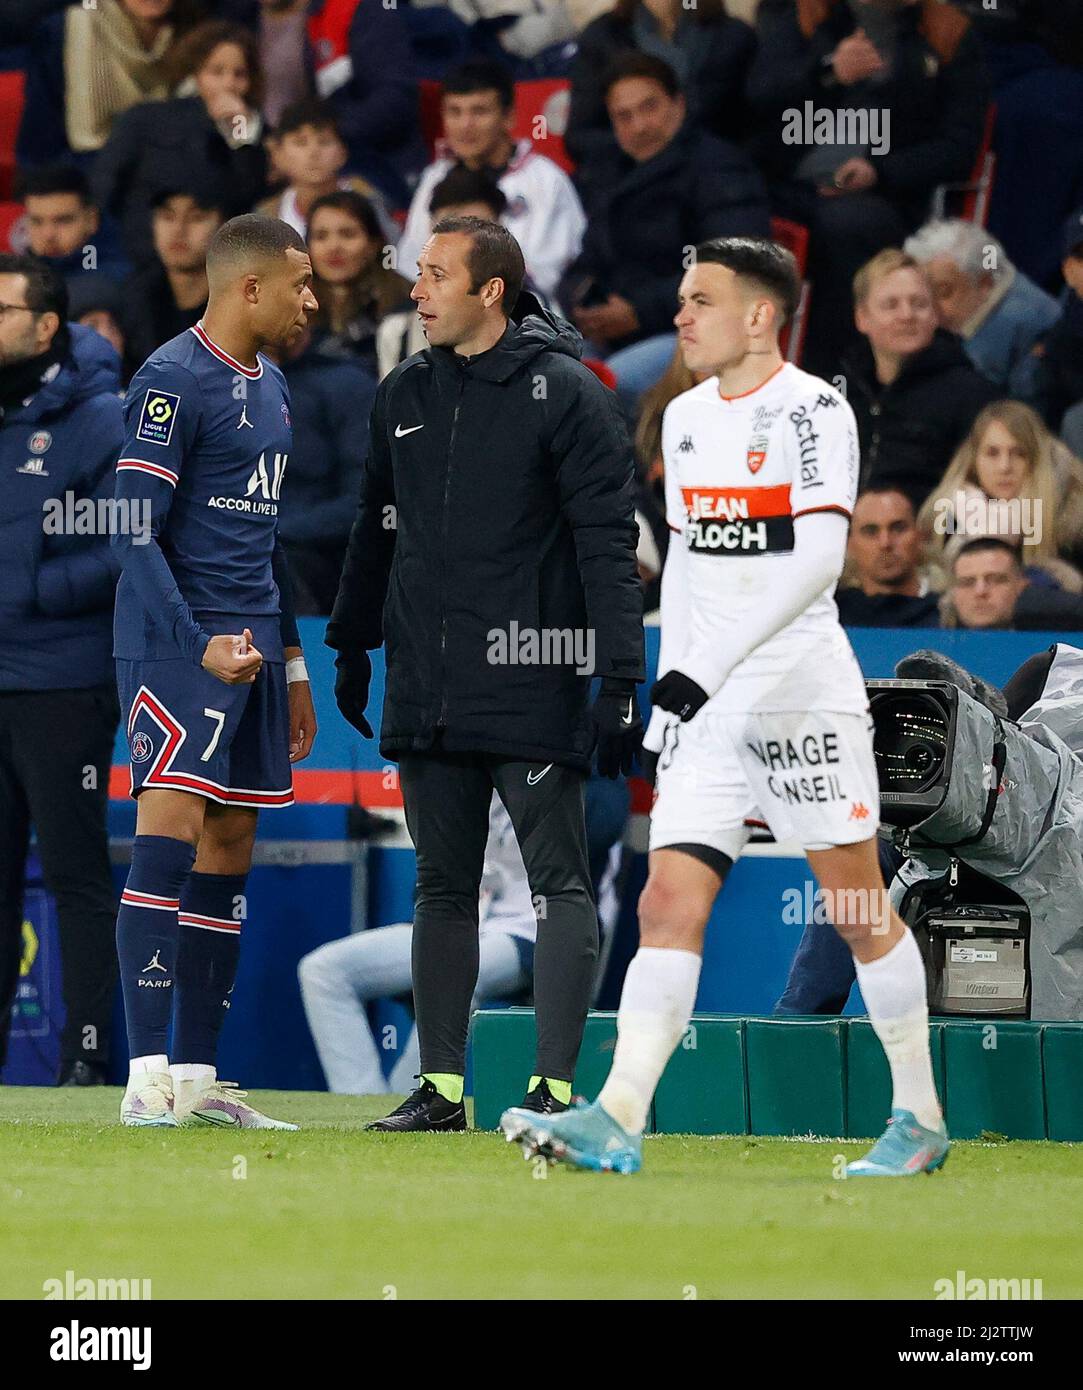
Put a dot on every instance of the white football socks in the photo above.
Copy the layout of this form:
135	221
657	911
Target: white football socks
655	1005
146	1066
893	989
191	1078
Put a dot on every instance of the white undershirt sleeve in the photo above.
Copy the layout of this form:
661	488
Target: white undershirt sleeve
819	549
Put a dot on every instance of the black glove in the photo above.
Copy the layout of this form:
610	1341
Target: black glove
648	766
679	695
352	689
618	728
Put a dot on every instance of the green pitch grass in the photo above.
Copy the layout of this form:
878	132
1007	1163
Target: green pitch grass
331	1212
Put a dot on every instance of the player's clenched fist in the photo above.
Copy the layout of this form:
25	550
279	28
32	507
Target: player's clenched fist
234	660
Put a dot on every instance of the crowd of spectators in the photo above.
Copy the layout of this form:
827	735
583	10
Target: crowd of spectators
960	347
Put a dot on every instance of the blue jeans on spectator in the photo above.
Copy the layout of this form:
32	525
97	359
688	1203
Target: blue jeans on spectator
821	975
638	367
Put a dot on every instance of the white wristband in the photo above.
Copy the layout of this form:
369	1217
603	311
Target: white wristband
296	670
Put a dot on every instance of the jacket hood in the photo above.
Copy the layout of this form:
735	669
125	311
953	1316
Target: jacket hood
531	330
91	368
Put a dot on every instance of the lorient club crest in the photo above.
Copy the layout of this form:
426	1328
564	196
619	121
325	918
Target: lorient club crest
757	452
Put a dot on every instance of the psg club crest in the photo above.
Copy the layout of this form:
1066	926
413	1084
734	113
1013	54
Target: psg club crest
142	747
757	453
286	415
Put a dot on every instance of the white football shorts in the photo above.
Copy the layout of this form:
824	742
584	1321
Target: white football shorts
808	776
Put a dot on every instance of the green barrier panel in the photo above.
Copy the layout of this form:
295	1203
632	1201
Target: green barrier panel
502	1043
1062	1068
994	1079
795	1076
596	1055
503	1054
868	1077
703	1090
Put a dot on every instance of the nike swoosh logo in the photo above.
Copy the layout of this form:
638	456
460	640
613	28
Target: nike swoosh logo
399	431
627	719
533	778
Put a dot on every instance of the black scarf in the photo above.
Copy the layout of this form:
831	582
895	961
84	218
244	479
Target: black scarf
22	379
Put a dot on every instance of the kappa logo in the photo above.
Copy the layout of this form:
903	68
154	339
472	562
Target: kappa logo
858	811
686	446
142	747
826	401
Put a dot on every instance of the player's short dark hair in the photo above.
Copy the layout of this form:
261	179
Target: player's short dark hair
462	185
309	111
354	205
645	65
49	179
481	75
984	543
765	264
493	252
46	291
250	238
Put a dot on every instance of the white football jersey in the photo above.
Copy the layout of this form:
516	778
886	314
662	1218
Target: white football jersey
738	471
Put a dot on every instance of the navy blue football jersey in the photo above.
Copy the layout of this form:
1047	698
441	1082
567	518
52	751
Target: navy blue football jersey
206	445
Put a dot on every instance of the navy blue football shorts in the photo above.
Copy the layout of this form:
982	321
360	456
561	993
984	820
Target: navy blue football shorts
189	732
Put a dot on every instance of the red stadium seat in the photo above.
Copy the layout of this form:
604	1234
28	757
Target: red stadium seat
605	374
977	192
541	115
795	238
12	95
10	217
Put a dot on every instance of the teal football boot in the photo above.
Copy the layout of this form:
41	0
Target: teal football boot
584	1136
904	1149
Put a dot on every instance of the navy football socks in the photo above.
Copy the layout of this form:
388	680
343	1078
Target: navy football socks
147	938
212	909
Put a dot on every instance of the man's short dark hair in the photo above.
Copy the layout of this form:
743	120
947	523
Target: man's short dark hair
250	238
887	490
309	111
764	263
50	179
987	543
462	185
645	65
205	197
46	291
493	252
481	75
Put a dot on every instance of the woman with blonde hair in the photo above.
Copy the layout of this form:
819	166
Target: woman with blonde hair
1012	479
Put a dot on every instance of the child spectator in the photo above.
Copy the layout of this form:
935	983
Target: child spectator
211	139
308	151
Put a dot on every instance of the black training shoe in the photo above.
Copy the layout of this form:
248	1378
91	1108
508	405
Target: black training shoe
81	1073
424	1111
542	1101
